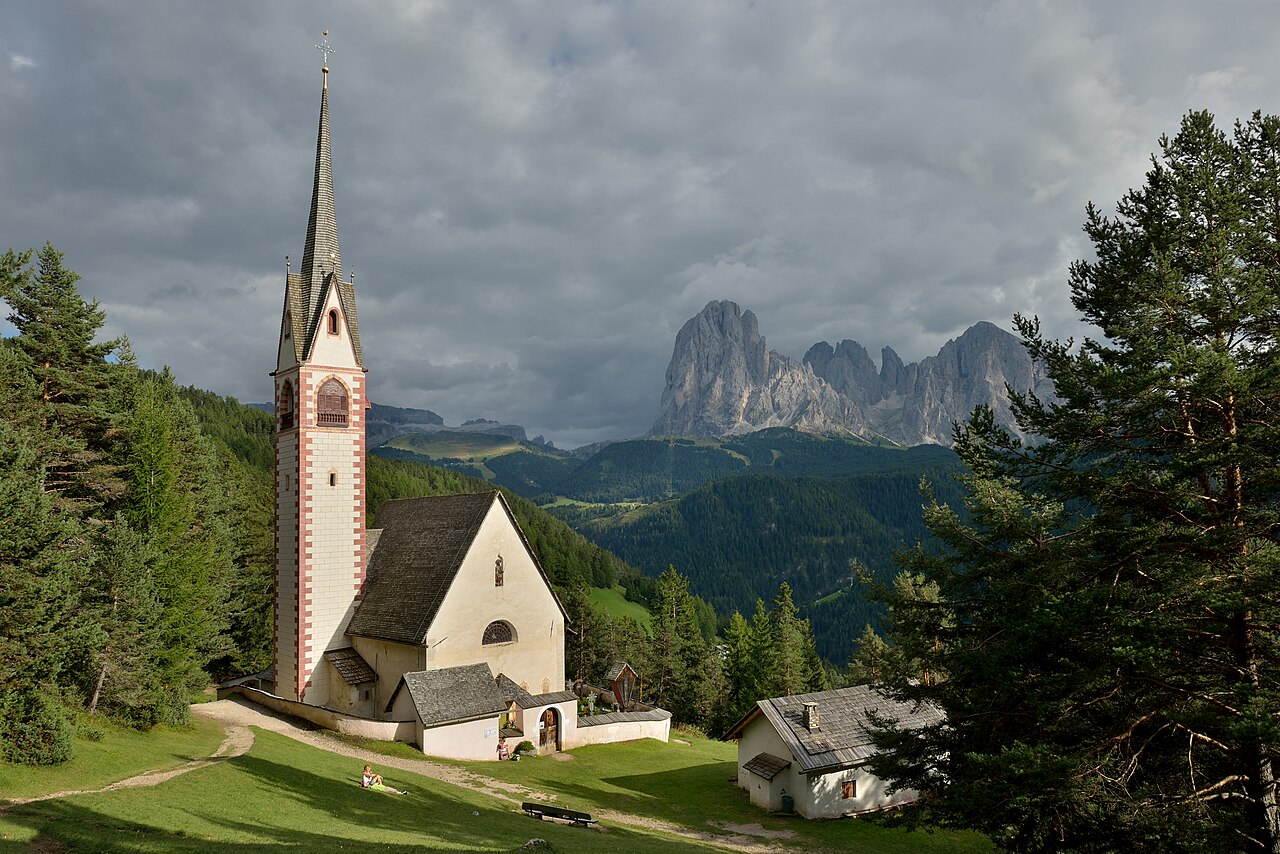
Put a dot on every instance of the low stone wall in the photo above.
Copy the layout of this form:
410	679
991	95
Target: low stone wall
622	726
327	718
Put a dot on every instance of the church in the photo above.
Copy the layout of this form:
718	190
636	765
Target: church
438	626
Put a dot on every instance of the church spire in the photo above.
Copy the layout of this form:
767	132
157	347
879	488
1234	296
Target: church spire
320	255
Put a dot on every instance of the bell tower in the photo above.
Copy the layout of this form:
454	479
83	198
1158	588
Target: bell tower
319	447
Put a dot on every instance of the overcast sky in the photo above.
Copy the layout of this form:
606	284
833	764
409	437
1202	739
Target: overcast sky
536	196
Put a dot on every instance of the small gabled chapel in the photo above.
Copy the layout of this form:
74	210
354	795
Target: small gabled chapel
439	622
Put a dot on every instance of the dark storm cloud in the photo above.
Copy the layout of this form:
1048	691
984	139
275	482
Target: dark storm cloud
535	197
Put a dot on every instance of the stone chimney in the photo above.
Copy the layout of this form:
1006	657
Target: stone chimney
811	716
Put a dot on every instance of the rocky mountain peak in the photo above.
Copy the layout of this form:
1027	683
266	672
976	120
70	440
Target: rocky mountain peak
722	379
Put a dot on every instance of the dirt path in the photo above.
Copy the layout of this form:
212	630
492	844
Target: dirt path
237	715
238	741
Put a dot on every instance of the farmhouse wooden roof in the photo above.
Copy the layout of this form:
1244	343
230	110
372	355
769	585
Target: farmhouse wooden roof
766	765
843	736
418	555
353	669
452	695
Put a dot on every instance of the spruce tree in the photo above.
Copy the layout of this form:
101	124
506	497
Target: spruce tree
790	671
77	392
1106	636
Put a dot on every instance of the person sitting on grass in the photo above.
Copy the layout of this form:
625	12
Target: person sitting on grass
370	780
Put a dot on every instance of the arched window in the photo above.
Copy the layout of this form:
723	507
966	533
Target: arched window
498	632
286	405
497	572
333	322
332	404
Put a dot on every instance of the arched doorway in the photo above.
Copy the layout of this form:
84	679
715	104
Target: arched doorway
549	731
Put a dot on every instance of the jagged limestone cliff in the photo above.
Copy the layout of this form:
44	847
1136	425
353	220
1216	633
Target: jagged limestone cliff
722	379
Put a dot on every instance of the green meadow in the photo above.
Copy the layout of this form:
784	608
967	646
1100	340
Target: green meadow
284	795
613	601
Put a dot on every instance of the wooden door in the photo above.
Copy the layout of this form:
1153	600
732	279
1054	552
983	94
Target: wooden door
549	730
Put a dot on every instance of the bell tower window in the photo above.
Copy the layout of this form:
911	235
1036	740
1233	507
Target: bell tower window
333	322
332	404
286	405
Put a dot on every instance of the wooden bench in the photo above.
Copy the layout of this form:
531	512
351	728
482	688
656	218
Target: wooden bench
541	811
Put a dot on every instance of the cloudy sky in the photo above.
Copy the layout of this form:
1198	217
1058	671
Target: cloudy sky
535	196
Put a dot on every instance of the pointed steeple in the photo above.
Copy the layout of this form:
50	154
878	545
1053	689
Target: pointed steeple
320	255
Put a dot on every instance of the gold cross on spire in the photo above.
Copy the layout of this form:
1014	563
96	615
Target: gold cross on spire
326	49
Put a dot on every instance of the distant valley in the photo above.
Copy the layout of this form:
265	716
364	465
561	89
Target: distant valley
737	515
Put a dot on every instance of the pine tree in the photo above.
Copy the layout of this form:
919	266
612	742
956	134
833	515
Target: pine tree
741	671
178	502
76	387
121	676
1106	638
790	672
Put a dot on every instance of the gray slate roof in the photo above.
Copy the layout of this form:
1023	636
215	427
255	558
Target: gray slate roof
623	717
417	557
353	669
766	765
843	737
452	695
513	693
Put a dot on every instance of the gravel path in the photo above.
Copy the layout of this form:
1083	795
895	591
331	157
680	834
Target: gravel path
236	715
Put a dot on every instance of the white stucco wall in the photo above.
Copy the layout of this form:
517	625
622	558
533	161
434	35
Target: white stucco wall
468	740
759	737
535	659
627	731
390	661
327	718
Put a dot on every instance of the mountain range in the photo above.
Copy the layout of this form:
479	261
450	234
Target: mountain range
723	380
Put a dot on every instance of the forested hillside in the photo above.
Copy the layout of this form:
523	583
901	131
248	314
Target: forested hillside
738	538
132	557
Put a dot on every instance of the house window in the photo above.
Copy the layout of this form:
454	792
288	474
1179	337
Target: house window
497	572
332	404
849	789
333	322
498	632
286	405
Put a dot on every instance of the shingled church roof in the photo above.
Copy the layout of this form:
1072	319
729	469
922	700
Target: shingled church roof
452	695
420	549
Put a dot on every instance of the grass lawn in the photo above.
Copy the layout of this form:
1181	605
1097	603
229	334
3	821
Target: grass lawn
613	602
121	753
286	795
694	783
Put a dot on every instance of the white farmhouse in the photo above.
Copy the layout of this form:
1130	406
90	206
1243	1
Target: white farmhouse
809	752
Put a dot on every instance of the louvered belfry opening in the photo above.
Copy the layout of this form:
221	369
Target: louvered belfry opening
286	406
332	408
